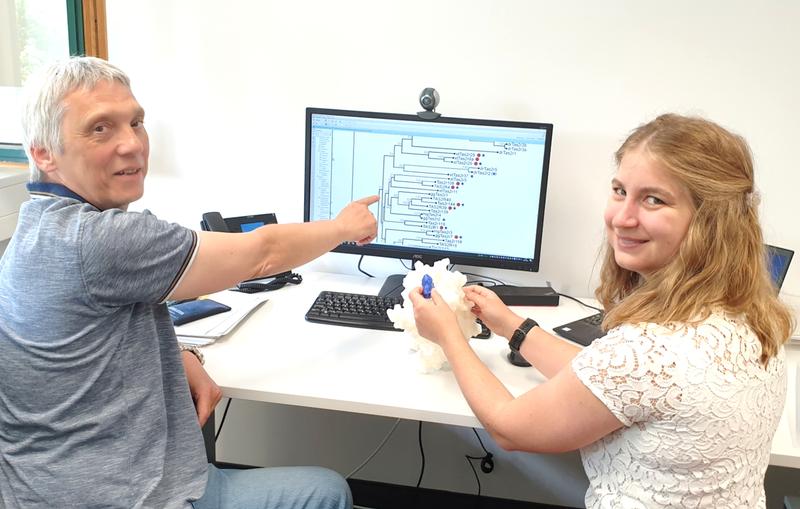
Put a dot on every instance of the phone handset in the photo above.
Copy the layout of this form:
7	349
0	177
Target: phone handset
213	221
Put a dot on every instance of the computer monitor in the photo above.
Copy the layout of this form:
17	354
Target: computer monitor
469	190
778	259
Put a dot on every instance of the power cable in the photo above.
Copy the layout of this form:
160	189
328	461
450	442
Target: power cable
421	453
362	270
363	463
222	421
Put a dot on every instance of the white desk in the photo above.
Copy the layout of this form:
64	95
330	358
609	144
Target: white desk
276	356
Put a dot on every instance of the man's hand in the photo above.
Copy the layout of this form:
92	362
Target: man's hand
205	393
357	222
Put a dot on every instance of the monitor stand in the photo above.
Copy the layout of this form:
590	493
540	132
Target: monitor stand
393	286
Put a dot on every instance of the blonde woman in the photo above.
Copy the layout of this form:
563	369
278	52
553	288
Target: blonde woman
677	405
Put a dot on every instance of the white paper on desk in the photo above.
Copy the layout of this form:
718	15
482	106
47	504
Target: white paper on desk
206	330
194	341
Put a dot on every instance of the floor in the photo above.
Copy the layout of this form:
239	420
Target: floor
376	495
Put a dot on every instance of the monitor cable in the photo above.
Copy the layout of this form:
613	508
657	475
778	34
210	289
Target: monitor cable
362	270
380	446
222	421
581	302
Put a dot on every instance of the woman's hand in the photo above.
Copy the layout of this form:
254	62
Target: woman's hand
435	320
487	306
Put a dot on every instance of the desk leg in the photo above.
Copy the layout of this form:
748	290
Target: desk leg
208	438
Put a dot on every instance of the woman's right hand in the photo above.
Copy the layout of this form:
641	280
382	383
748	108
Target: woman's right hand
492	311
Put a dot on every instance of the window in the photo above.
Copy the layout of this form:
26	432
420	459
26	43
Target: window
35	32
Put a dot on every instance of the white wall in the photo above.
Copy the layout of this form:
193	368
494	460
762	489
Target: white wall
225	85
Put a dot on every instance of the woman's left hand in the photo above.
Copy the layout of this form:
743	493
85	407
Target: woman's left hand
435	320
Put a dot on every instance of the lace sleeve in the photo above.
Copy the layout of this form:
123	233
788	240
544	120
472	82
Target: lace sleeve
631	373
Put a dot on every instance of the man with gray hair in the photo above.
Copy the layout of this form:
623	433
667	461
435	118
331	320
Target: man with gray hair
95	406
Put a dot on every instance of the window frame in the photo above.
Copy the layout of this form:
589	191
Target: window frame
86	20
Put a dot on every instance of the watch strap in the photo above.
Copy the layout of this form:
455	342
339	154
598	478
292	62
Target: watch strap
194	351
522	331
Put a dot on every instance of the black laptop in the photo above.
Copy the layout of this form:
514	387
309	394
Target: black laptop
587	329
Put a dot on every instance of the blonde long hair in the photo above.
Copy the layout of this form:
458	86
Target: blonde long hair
721	263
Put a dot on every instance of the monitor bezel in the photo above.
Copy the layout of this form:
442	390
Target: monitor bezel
427	255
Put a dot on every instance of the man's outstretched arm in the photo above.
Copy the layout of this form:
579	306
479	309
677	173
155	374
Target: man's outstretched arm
224	259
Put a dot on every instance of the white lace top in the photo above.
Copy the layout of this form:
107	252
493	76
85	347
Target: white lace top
699	412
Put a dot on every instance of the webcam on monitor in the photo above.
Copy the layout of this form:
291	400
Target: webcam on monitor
429	100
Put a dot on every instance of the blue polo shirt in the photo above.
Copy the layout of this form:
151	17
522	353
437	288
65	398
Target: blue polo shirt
95	410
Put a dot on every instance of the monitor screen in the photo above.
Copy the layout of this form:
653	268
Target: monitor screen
469	190
778	260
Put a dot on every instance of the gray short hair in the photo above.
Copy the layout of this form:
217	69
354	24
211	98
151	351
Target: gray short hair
44	107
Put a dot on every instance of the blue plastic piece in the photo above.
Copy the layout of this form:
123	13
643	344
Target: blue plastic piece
427	285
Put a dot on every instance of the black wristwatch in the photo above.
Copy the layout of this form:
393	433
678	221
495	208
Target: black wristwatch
519	335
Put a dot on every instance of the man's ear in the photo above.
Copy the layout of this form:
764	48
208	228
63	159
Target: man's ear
44	159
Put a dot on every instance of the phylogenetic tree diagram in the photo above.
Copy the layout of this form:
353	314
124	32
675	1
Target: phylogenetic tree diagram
425	189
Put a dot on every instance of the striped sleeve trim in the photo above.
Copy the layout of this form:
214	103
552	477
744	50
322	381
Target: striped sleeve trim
187	262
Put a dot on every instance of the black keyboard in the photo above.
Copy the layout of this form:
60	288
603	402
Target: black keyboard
360	310
353	310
